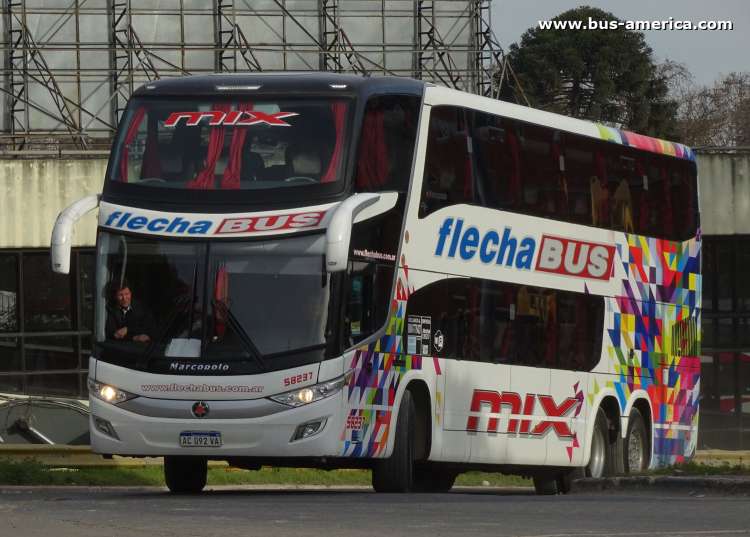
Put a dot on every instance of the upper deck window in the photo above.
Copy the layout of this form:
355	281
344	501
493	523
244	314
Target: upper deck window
230	145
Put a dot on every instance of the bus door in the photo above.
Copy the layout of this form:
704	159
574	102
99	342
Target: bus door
436	328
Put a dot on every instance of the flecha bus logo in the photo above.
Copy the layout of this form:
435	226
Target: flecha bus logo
275	222
570	257
235	117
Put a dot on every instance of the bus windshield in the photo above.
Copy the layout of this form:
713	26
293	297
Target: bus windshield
229	145
238	301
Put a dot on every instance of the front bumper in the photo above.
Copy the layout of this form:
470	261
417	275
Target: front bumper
265	436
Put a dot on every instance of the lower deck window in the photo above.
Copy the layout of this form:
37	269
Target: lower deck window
500	322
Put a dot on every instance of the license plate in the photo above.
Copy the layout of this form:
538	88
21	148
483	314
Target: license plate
193	439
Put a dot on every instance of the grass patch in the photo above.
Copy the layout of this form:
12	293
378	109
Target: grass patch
30	472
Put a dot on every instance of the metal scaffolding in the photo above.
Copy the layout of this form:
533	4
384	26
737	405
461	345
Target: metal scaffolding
70	65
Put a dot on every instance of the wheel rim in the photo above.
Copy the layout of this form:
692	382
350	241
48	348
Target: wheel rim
635	451
598	445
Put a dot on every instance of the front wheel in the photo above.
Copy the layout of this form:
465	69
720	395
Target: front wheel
433	481
545	483
185	475
394	474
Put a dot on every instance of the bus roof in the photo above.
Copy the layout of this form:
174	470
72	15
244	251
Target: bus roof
280	83
312	82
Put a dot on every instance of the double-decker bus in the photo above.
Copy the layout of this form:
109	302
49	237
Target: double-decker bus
339	272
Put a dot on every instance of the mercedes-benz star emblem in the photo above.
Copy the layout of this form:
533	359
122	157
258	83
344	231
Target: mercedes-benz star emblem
200	409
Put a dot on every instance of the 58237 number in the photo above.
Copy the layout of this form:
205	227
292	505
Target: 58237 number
302	377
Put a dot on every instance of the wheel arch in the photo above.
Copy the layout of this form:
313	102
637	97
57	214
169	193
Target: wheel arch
417	384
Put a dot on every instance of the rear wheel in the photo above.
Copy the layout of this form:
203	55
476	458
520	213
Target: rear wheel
434	481
637	444
185	475
598	465
394	474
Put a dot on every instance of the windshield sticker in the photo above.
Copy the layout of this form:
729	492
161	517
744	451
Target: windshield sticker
418	336
438	341
236	117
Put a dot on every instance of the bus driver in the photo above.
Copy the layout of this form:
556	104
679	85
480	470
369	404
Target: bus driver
127	318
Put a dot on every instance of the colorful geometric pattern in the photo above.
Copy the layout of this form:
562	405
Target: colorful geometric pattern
644	142
378	371
652	343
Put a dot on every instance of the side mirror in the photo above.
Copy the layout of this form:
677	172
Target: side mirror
63	229
339	232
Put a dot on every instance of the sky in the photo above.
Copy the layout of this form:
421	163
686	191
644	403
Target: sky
707	54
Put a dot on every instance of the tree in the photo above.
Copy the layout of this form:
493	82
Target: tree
608	76
712	116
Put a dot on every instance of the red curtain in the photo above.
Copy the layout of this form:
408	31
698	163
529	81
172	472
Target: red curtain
372	166
205	179
339	112
129	137
221	295
231	178
151	167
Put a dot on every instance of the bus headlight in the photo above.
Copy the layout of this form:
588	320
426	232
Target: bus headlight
310	394
108	394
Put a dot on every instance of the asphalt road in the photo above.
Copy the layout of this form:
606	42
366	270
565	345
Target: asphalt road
362	512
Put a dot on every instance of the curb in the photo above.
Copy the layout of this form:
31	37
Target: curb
687	485
75	489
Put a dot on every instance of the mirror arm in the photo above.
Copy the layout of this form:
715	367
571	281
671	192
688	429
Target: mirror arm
339	232
63	229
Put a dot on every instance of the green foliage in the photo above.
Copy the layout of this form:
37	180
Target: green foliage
607	76
30	472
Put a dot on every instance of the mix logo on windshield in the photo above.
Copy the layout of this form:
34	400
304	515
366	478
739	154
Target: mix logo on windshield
235	117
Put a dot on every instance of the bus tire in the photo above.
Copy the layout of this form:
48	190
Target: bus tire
185	475
637	446
545	483
566	477
433	481
599	460
394	474
617	451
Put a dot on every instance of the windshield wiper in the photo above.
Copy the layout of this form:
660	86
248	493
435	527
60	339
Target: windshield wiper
245	340
175	315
